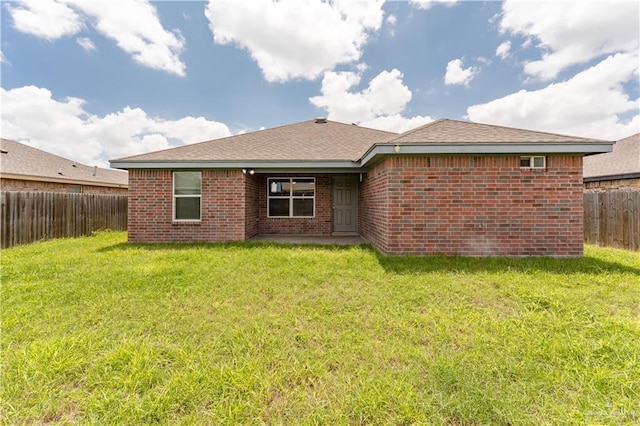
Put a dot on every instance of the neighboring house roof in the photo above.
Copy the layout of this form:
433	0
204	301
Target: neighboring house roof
622	163
20	161
322	144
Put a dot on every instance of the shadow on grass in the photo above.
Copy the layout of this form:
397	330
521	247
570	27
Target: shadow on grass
237	245
414	264
583	265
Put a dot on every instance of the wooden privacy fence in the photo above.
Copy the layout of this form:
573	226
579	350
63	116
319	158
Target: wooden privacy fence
31	216
612	219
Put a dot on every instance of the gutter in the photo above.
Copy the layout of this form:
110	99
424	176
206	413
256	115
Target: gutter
611	177
259	166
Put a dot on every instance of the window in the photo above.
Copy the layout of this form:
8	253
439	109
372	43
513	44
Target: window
533	162
74	189
291	197
187	192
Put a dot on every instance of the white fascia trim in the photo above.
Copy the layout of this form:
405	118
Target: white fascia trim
485	149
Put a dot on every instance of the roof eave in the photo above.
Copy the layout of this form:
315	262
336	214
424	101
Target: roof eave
258	166
621	176
581	148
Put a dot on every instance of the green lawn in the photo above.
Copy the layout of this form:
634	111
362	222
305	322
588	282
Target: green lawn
97	331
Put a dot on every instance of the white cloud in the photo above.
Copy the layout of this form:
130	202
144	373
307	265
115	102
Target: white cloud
293	39
592	104
48	19
86	44
386	95
4	60
391	24
396	123
379	105
503	50
133	24
392	20
427	4
65	128
457	75
572	32
136	28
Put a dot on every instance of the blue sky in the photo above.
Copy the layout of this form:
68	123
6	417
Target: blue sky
94	81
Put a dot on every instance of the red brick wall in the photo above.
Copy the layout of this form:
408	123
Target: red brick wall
151	203
32	185
373	210
252	205
318	225
474	206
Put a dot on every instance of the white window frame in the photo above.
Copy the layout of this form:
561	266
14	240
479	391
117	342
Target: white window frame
174	196
291	197
531	159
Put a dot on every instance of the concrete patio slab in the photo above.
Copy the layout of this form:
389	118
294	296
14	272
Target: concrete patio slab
313	239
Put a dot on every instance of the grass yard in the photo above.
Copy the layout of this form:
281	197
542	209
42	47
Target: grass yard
97	331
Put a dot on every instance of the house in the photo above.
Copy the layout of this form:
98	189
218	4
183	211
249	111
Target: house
449	187
619	169
24	168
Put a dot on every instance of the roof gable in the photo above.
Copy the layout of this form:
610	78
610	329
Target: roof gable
18	160
456	131
304	141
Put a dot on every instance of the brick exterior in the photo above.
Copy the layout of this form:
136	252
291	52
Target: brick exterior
467	205
151	207
252	207
41	186
318	225
483	205
234	207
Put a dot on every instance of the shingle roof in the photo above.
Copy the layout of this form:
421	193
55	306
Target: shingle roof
304	141
455	131
625	159
18	159
331	144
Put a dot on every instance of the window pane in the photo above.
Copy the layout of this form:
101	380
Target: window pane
303	187
538	162
279	187
187	183
278	207
188	208
303	206
525	161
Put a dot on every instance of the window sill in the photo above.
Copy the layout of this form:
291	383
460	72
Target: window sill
290	217
186	222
